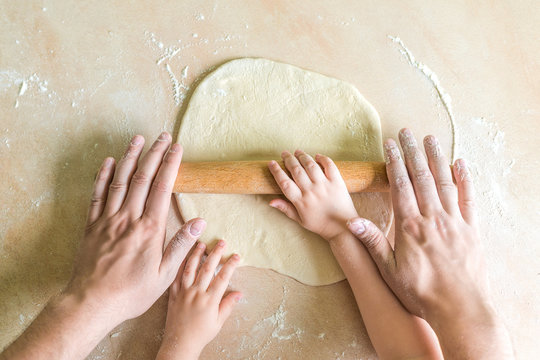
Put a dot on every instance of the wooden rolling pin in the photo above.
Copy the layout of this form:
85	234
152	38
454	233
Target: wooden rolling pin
253	177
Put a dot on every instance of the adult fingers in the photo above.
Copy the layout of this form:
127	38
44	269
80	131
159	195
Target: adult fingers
159	199
143	177
227	304
179	246
312	169
192	264
465	191
221	280
375	242
287	186
99	194
441	173
285	207
122	175
422	180
208	268
330	169
403	199
296	170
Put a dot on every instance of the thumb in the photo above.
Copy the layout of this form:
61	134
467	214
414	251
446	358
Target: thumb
227	305
179	247
375	242
285	207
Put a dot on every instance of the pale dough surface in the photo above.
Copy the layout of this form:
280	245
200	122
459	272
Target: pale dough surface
253	109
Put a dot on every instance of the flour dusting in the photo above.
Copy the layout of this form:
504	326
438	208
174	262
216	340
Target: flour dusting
445	98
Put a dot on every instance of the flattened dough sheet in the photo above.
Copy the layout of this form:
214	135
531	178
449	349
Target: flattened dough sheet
253	109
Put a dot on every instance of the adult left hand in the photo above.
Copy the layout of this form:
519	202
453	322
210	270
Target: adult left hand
122	265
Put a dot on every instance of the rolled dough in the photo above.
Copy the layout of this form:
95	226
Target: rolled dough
253	109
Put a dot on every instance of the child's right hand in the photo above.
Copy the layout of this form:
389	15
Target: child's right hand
319	200
197	305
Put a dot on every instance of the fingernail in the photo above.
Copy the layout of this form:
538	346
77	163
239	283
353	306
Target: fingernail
221	243
197	227
462	169
285	153
201	245
237	298
175	148
357	226
297	152
407	138
108	162
273	162
391	152
432	146
136	140
163	136
236	257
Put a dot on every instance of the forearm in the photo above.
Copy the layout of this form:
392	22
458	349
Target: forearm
394	332
67	328
473	331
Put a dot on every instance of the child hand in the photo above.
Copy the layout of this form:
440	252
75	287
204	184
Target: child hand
318	197
197	308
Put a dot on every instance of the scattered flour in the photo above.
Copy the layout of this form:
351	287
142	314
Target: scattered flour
445	98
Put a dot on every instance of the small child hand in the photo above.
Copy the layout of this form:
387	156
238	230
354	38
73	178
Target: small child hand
197	309
318	197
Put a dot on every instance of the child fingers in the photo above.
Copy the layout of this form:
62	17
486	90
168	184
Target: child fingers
313	169
227	304
285	207
192	264
298	173
208	268
330	169
221	280
287	186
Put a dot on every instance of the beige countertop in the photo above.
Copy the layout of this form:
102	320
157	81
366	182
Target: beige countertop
78	79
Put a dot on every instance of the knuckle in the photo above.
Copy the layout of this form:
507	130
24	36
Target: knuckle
297	170
468	203
140	178
102	176
117	185
182	240
160	186
311	166
402	182
371	238
422	176
96	201
445	186
285	184
170	158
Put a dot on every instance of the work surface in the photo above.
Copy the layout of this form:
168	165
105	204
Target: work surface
78	79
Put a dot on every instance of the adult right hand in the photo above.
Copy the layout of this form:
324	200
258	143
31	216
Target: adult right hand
436	267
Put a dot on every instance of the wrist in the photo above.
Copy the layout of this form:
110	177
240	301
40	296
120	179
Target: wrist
79	309
173	348
471	331
338	236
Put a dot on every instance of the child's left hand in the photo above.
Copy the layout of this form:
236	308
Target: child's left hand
319	200
197	308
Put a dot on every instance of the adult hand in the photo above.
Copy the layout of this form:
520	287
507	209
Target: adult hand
436	267
121	262
123	265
